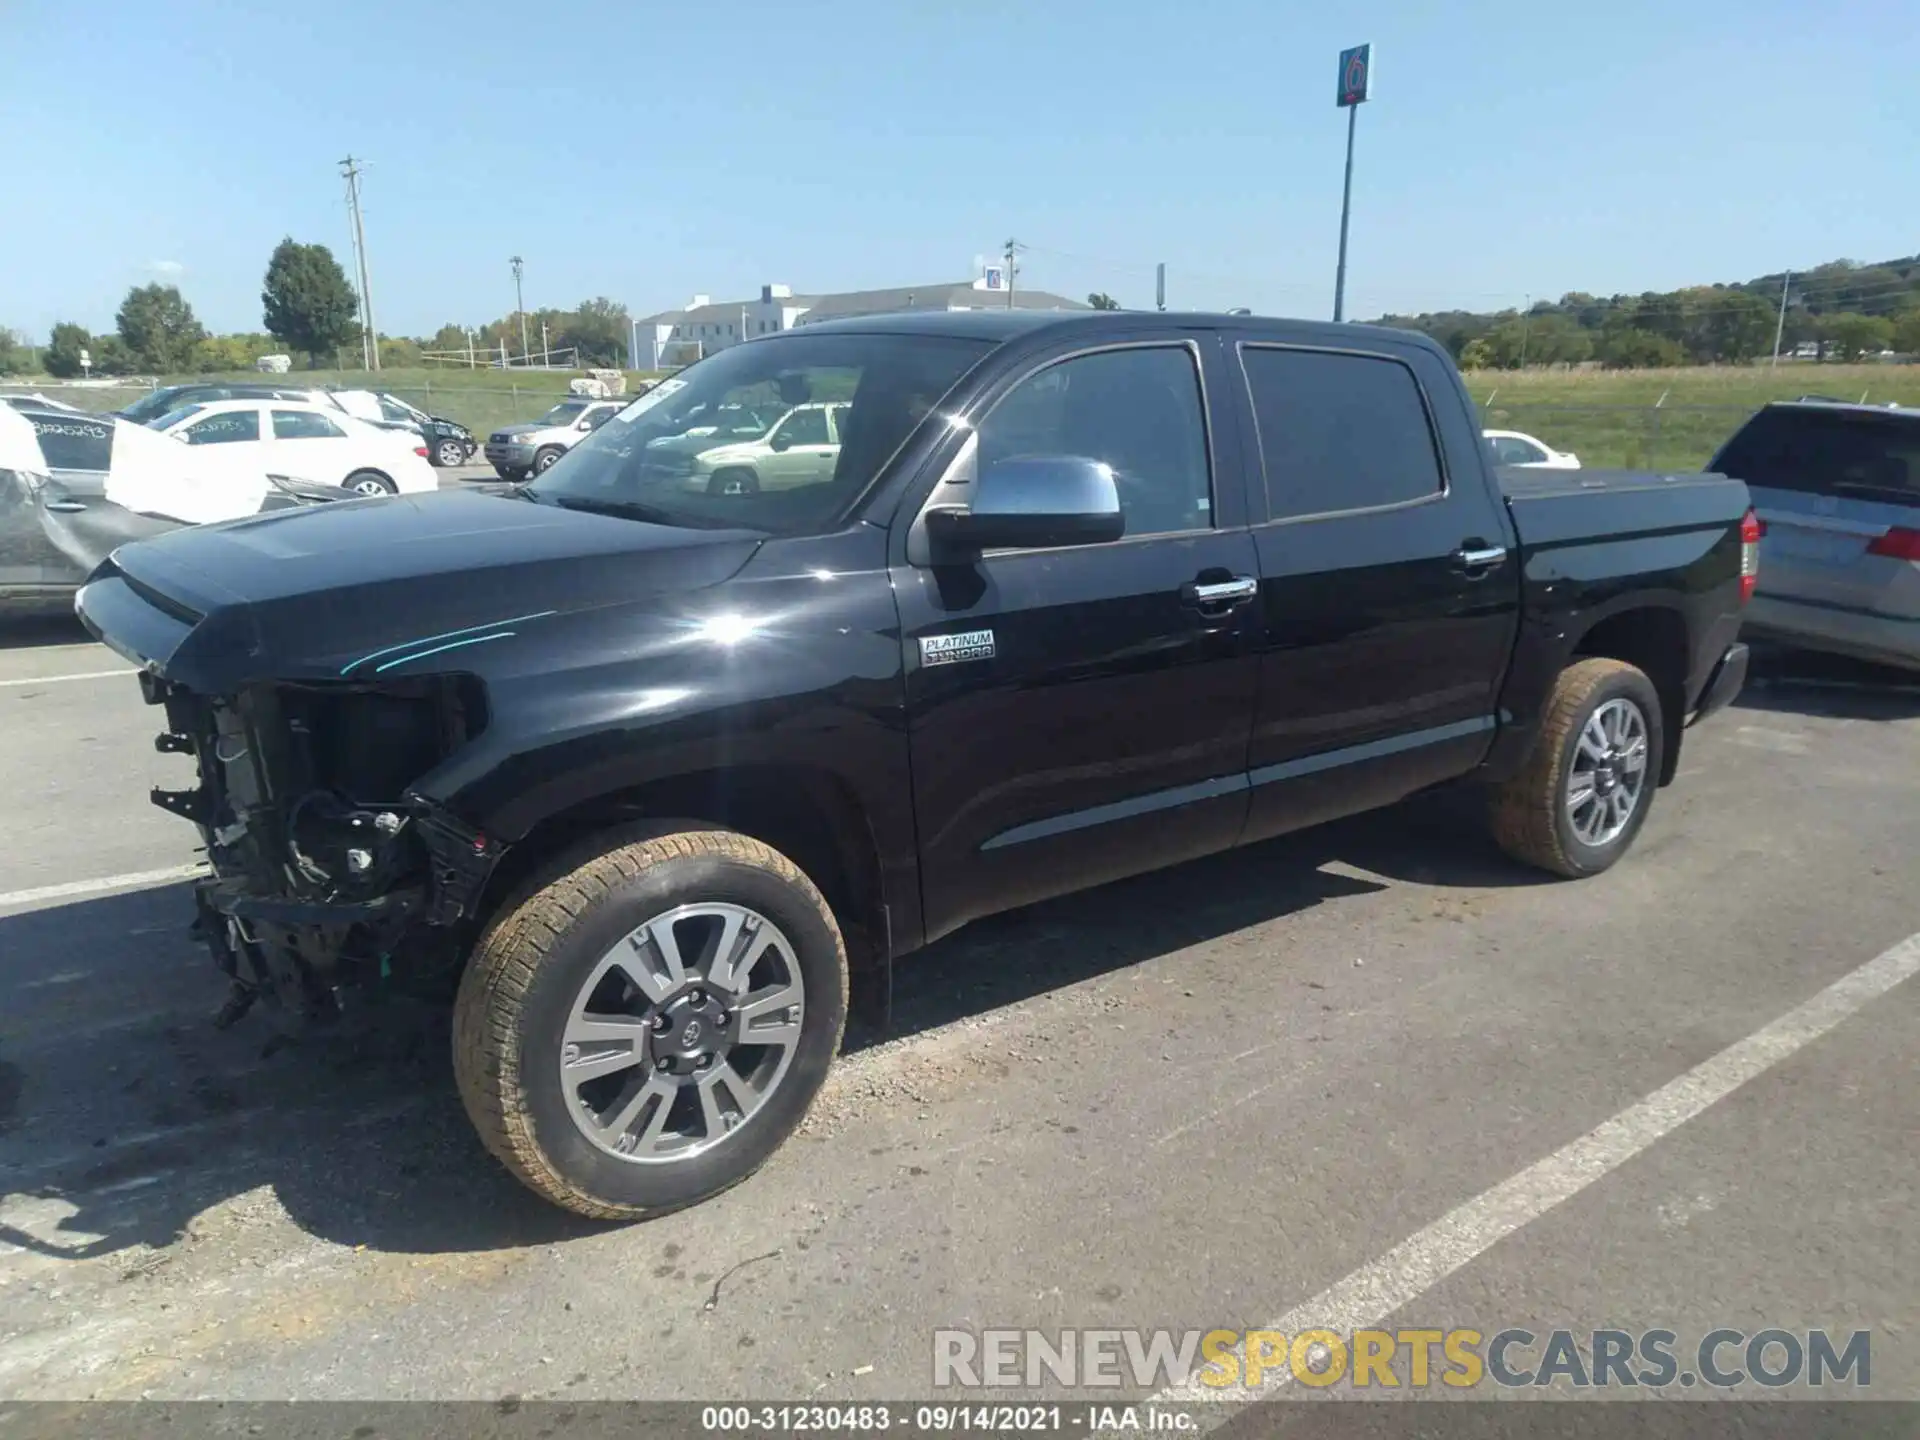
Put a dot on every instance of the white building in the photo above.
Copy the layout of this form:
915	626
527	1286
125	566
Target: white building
679	337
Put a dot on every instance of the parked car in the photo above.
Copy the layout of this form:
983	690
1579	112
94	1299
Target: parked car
1837	489
522	450
448	442
654	768
800	448
315	442
1514	447
74	486
155	403
37	401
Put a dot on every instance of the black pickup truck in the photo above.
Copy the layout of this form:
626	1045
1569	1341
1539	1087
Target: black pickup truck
650	766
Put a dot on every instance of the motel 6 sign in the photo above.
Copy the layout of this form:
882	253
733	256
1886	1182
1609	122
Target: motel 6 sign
1356	75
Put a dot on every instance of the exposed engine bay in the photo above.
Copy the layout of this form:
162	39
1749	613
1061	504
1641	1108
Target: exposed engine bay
328	870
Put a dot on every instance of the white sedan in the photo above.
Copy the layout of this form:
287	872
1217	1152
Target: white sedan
307	442
1512	447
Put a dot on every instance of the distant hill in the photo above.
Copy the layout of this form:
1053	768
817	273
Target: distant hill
1848	310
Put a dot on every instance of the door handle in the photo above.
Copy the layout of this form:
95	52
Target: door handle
64	507
1477	560
1221	593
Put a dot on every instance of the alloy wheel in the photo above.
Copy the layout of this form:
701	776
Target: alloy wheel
681	1032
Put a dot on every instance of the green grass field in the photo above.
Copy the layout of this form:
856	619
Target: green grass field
1653	419
1665	419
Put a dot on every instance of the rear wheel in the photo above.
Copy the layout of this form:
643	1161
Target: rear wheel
643	1029
1586	789
370	482
543	460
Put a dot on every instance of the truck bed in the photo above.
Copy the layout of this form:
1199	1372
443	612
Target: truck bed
1560	507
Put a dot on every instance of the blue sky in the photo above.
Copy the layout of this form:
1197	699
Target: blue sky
647	152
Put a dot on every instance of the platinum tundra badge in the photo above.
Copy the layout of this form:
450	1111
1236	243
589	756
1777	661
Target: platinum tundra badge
952	649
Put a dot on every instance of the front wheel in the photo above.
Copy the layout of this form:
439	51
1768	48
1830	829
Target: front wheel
645	1028
543	461
737	481
1584	793
449	453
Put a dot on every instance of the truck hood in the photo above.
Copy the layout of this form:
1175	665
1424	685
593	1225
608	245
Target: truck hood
307	594
530	432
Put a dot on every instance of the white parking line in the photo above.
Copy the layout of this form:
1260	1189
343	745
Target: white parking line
131	881
1373	1292
56	679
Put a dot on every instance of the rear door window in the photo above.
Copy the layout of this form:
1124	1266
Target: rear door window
1828	452
304	425
227	427
1340	432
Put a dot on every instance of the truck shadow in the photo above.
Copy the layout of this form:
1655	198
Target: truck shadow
128	1121
33	631
1801	682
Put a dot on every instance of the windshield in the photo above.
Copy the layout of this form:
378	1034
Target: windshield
563	414
174	417
671	456
149	406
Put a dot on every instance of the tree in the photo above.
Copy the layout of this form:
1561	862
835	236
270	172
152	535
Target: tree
62	357
159	328
16	354
1100	300
309	307
1852	335
1627	347
225	352
1906	331
598	330
112	356
1476	355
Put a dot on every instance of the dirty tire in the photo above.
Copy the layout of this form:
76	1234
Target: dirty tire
1528	814
526	970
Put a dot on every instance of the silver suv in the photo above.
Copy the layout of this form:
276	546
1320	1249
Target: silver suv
522	450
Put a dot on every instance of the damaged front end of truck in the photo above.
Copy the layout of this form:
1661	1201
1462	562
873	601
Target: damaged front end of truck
328	870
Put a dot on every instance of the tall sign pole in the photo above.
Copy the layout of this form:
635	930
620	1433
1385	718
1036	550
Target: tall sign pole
1356	81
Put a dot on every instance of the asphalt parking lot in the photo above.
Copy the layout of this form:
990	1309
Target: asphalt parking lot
1373	1073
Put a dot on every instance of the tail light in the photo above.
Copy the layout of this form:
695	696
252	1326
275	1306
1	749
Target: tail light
1899	543
1750	532
421	451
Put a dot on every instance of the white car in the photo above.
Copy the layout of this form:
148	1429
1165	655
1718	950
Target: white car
1513	447
308	442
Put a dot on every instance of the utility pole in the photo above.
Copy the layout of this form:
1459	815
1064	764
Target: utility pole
1526	316
546	355
520	304
1780	325
369	335
1160	285
1012	245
